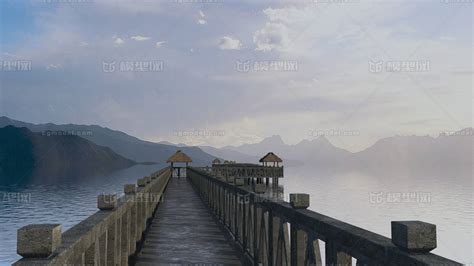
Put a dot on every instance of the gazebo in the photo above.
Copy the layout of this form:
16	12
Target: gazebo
270	158
178	157
216	161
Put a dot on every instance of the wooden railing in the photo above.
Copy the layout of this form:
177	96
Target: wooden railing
108	237
273	232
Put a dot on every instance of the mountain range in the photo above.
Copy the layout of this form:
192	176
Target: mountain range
115	149
123	144
26	156
398	151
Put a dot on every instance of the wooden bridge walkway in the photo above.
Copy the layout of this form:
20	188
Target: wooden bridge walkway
184	231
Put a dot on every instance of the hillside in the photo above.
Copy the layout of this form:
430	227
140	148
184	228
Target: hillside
27	156
120	142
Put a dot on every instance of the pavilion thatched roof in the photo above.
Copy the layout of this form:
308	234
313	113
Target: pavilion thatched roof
216	161
271	157
179	157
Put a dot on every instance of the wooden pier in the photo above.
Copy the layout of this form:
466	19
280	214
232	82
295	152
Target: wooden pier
184	231
205	217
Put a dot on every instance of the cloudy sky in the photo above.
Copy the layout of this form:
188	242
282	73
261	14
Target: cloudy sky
227	72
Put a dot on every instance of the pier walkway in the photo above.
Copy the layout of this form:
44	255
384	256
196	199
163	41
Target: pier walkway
183	231
220	215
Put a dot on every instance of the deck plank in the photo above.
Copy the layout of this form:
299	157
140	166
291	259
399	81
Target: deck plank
183	231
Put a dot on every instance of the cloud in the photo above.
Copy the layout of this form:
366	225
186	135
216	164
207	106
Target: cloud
119	41
228	43
53	66
83	44
274	36
160	44
140	38
201	20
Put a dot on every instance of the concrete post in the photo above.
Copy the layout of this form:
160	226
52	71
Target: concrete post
111	243
125	238
334	256
299	200
414	236
298	246
38	240
107	202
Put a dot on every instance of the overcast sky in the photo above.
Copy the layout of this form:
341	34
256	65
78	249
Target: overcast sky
223	72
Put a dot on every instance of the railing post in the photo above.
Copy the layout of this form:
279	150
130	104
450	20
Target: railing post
91	256
414	236
102	249
298	237
38	240
125	238
335	256
298	245
111	243
271	238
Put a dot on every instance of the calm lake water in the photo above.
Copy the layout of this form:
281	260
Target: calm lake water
372	200
365	199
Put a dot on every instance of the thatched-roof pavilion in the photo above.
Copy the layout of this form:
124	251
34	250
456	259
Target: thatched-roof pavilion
270	158
216	161
178	157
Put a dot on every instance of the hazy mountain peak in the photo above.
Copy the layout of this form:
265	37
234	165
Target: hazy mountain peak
273	140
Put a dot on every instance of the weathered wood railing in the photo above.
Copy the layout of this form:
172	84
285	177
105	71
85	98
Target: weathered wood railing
108	237
260	227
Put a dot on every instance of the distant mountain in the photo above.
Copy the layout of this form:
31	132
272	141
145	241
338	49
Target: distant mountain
123	144
26	156
273	143
411	152
419	151
231	155
319	150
